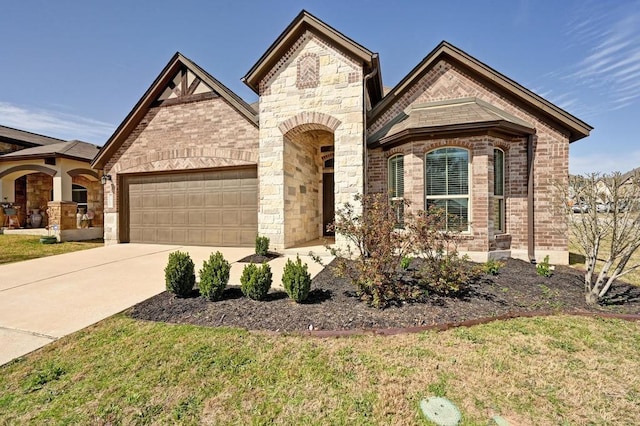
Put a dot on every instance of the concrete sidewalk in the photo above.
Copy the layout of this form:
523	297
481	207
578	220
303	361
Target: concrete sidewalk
44	299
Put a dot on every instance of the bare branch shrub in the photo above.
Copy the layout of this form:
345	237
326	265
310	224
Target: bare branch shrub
377	245
604	219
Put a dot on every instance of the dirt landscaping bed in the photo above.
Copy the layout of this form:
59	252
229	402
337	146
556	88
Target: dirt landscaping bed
333	304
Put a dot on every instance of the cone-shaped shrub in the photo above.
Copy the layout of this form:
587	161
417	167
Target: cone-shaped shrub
262	245
256	281
296	280
214	276
180	274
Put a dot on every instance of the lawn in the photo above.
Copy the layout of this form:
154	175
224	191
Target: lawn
555	370
16	248
576	260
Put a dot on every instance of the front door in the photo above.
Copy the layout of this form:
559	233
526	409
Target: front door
328	206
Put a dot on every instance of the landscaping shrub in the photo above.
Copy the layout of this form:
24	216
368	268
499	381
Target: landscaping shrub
214	276
180	274
378	246
492	267
544	269
378	255
262	245
296	280
256	281
405	262
450	275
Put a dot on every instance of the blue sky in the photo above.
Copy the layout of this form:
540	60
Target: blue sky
73	69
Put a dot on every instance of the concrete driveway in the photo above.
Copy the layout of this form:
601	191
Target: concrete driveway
44	299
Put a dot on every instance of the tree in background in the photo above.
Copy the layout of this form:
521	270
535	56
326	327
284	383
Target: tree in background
604	219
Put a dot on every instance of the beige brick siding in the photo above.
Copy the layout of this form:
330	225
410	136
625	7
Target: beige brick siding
196	135
445	81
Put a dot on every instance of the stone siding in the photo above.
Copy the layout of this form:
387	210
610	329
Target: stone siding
187	136
302	213
333	103
6	148
39	187
551	158
95	198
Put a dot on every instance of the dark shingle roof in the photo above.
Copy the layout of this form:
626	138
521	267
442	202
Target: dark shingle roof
23	138
443	114
72	149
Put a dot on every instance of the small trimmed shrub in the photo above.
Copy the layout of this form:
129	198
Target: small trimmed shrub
262	245
296	280
492	267
180	274
214	276
256	281
544	269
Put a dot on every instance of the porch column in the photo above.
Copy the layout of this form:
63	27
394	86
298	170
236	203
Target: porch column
8	189
62	184
63	214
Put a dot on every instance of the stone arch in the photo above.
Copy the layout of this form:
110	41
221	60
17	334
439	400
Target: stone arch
80	172
309	120
28	167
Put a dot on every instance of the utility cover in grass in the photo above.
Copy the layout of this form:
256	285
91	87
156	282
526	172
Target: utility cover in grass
441	411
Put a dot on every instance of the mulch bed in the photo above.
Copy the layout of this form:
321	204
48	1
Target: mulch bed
259	259
333	305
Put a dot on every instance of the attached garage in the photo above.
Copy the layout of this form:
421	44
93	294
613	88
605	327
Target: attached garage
213	208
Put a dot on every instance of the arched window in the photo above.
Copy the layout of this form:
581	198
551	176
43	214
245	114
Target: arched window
498	190
79	195
396	185
447	185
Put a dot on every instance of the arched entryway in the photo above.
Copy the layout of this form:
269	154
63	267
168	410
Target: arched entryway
308	183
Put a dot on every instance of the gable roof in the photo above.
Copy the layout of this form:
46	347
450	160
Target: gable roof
577	128
24	138
307	22
450	116
76	150
155	90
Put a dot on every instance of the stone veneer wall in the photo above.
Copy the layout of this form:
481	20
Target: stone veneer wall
39	187
63	214
302	213
187	136
292	98
6	148
95	198
551	164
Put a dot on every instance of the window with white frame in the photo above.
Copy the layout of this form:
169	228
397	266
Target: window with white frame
498	190
396	186
447	185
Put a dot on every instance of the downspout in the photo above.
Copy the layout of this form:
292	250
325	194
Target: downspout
365	157
531	250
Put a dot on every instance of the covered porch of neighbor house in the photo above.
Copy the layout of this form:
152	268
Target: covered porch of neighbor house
50	194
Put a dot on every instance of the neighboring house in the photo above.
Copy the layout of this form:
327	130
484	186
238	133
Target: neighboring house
195	164
52	175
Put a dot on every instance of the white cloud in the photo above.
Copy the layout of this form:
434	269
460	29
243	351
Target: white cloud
54	123
611	68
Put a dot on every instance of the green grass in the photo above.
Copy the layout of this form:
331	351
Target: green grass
16	248
556	370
